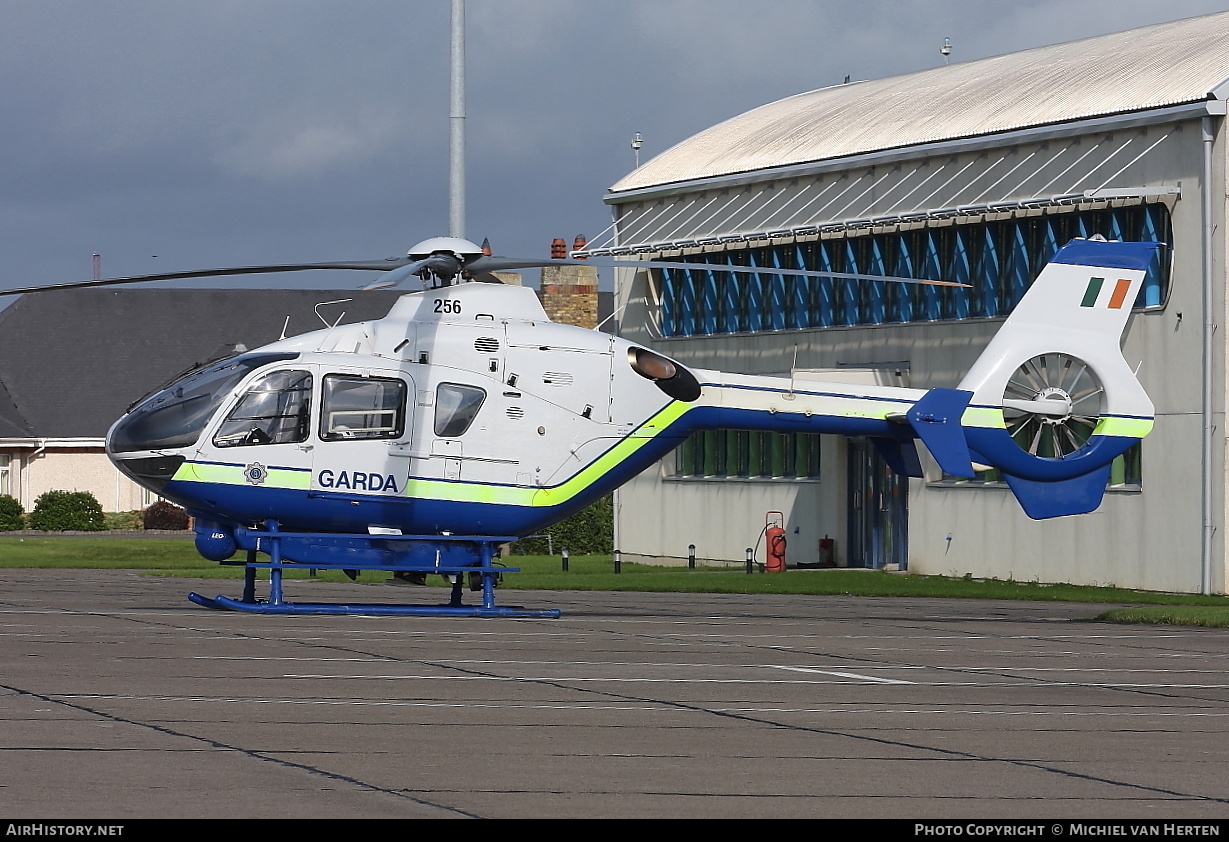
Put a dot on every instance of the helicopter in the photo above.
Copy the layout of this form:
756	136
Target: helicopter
465	419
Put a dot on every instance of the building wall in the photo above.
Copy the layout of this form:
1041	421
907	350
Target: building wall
725	517
1148	538
32	473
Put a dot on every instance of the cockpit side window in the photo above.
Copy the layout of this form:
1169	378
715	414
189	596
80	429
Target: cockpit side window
362	408
276	409
455	408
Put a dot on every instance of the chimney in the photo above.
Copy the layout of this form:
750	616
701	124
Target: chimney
569	293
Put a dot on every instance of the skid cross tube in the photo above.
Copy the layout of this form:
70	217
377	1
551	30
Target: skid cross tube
269	540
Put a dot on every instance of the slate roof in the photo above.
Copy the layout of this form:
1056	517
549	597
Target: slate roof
72	362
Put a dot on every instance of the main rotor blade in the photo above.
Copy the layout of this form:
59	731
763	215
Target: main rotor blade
361	265
497	264
440	265
772	270
396	276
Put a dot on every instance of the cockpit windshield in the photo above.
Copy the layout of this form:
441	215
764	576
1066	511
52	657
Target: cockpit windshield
175	416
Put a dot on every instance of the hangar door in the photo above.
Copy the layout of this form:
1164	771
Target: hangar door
878	508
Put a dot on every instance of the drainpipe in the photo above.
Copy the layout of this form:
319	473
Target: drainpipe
1209	331
25	473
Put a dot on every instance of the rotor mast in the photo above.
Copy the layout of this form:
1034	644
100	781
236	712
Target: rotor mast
456	125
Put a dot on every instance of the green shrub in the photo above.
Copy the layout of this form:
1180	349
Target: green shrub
11	514
164	515
125	521
60	511
591	530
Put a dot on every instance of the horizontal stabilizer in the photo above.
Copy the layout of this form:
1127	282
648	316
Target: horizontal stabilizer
935	419
900	454
1041	500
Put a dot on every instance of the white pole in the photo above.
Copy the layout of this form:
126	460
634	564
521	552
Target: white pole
456	125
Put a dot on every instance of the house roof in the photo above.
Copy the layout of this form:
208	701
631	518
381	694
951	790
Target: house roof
1186	61
72	362
12	423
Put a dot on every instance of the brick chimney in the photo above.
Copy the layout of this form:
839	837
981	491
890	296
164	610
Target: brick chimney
569	293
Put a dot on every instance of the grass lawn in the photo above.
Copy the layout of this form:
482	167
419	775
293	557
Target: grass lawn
178	557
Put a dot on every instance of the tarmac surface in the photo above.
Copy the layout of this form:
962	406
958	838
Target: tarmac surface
120	699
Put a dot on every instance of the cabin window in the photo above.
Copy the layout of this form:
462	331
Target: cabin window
362	408
275	410
455	408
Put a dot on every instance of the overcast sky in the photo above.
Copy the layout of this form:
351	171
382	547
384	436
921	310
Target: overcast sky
185	135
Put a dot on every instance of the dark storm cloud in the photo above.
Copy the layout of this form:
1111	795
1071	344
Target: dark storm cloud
216	133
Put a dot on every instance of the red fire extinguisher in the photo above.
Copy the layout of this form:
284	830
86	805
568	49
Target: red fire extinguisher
774	537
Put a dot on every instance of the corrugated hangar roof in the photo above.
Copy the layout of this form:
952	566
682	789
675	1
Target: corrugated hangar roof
1153	67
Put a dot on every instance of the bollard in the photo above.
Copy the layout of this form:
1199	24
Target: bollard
750	560
617	563
691	556
565	559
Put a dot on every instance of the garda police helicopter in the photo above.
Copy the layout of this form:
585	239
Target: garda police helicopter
465	418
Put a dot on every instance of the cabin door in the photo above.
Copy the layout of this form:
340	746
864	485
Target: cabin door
362	413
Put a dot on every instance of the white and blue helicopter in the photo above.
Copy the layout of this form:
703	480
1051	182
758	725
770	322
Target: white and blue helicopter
465	418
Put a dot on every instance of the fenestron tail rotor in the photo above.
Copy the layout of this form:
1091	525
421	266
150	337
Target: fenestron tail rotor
1052	404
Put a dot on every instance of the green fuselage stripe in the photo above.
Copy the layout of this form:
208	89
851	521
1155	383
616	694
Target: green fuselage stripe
1133	428
464	492
983	416
295	480
622	450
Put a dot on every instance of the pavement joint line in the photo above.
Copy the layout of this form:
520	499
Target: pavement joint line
255	755
853	675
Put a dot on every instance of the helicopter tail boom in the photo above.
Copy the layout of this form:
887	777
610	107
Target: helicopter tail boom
1050	403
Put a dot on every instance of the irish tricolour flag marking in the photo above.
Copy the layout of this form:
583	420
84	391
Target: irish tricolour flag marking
1117	296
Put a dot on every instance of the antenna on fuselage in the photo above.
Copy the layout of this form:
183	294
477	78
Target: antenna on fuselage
316	310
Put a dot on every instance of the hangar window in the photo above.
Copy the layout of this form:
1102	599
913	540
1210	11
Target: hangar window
998	259
748	454
1126	474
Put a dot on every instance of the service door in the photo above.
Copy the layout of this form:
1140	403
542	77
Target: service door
878	510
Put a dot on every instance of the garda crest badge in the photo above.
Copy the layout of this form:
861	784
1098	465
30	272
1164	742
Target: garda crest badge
255	473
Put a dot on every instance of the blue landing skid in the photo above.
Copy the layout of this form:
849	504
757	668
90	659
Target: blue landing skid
269	541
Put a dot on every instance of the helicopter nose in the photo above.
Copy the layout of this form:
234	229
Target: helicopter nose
152	472
175	417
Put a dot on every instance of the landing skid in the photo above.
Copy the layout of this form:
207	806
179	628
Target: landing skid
270	542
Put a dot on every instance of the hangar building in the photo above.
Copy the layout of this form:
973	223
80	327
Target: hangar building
973	172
